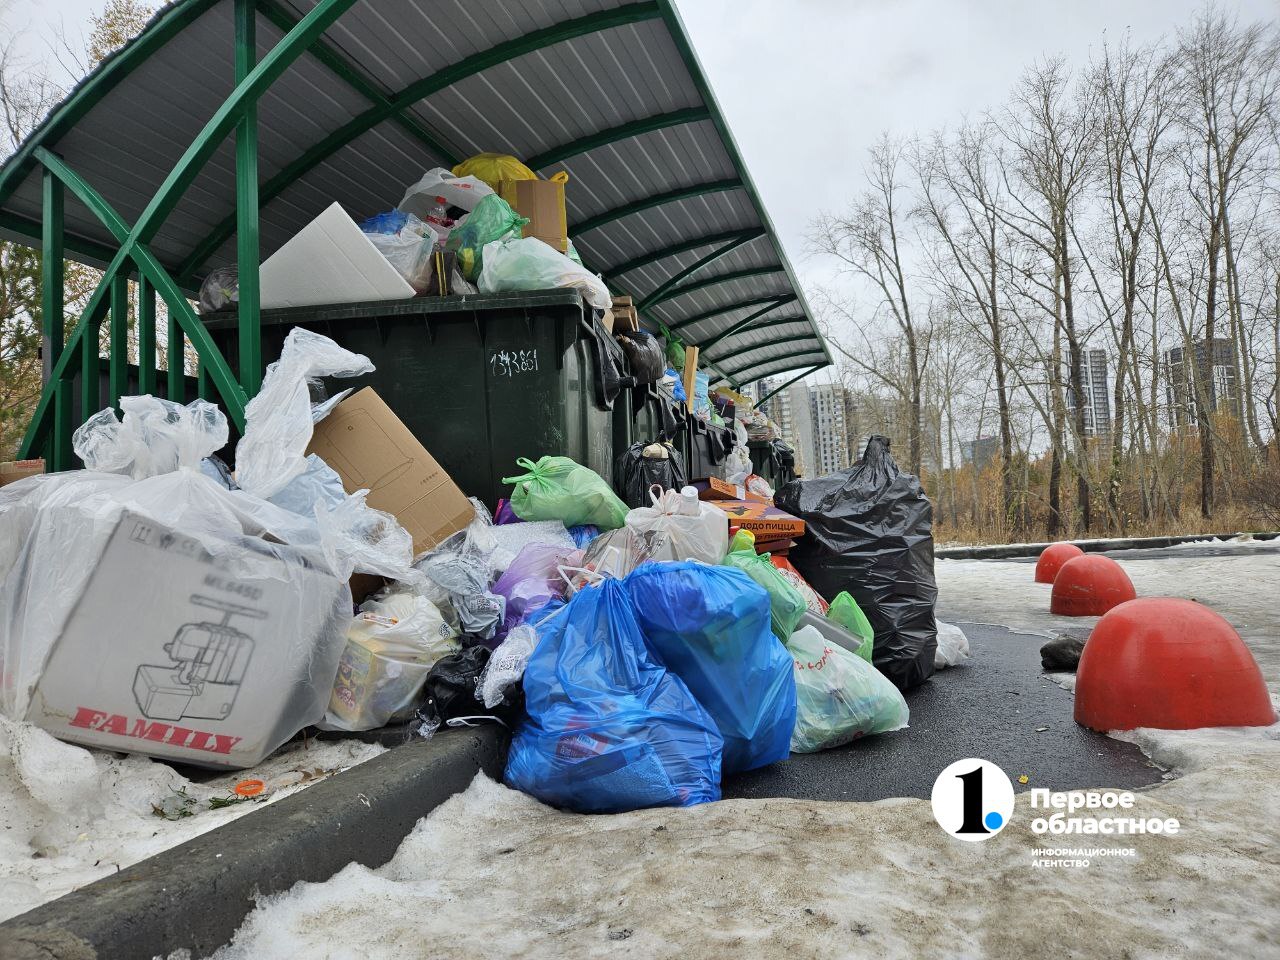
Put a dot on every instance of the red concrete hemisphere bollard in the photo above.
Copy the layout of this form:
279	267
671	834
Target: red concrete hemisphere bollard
1089	586
1172	664
1052	559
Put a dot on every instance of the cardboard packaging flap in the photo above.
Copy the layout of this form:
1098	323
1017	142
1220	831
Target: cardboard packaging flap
371	449
330	260
713	488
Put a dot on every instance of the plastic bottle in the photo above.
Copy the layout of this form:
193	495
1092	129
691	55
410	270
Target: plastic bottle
689	504
437	216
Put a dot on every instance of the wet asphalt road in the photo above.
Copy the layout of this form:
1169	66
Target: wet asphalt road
992	707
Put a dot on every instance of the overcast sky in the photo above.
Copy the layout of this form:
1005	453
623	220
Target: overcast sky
808	85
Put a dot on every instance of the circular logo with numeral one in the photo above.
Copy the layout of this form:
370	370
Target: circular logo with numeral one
972	799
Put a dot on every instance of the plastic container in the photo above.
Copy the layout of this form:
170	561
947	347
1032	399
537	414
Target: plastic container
480	380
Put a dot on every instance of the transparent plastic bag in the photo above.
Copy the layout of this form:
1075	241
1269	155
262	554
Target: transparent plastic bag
407	242
953	646
156	436
459	582
679	526
392	644
840	697
278	421
527	263
612	555
492	219
220	290
506	667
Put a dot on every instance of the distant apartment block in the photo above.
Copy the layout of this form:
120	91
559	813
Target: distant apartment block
1097	406
1217	366
981	452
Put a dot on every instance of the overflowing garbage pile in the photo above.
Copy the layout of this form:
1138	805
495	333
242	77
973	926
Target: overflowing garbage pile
642	635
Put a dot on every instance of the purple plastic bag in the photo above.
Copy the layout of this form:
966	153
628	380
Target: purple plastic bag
532	580
504	513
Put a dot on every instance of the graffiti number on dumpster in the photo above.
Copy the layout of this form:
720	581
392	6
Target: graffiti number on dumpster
512	363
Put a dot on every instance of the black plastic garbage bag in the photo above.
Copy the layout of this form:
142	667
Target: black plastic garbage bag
450	690
869	531
635	473
645	355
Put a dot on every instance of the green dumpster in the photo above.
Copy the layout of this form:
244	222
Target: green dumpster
479	379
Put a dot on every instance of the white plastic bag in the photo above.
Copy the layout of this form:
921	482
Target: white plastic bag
464	192
506	666
527	263
679	526
392	644
278	421
839	696
953	646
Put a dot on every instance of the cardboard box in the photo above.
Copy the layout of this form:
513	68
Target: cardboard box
542	201
607	320
713	488
372	449
625	317
175	652
767	522
15	470
330	260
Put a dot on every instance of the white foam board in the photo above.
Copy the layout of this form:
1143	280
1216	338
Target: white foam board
329	261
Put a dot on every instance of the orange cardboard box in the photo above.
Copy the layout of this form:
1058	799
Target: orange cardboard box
713	488
15	470
766	521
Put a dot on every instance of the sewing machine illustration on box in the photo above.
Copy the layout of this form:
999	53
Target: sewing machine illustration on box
210	660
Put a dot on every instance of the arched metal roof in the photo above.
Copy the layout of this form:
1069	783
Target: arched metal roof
659	200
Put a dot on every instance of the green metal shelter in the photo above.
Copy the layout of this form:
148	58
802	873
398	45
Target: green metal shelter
227	125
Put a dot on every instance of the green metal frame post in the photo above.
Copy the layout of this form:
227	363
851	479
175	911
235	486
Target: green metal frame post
247	250
146	336
175	378
118	349
52	322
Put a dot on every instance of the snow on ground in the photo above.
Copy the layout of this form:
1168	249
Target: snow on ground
1241	588
69	816
494	873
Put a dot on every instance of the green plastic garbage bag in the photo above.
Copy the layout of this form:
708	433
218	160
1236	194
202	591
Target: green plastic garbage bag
786	603
675	354
557	488
845	611
839	696
491	220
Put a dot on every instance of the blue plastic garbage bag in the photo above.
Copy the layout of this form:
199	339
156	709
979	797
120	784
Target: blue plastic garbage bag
609	730
710	627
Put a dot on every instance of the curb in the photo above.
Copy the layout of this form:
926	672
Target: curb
1009	551
196	895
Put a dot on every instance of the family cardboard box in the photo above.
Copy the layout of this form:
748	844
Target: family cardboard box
233	651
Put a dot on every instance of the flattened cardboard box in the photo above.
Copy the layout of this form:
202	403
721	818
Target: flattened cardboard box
218	666
766	521
371	449
713	488
15	470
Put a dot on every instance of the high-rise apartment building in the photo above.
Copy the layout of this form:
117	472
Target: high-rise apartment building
1217	365
830	428
1097	405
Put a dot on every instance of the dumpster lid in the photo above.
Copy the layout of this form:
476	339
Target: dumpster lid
660	201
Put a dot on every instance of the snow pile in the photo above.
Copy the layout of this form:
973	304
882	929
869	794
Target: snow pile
494	873
70	816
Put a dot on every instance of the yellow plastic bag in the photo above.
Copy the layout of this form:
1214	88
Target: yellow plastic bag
493	168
